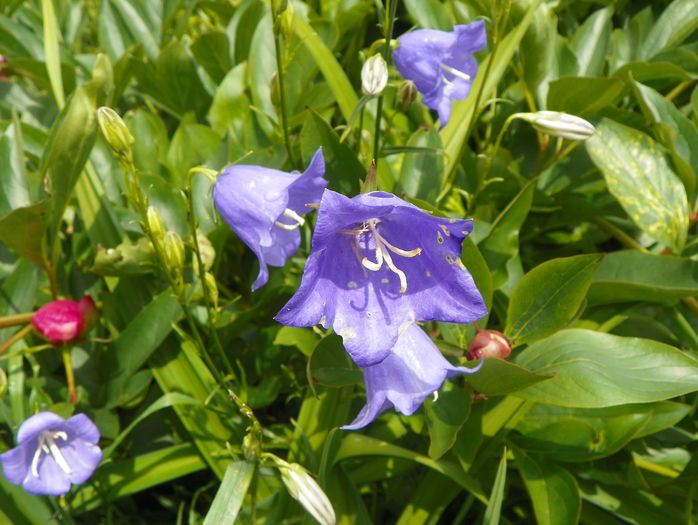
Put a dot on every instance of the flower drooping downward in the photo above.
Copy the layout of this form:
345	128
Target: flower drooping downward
413	370
265	207
52	453
377	265
65	321
441	64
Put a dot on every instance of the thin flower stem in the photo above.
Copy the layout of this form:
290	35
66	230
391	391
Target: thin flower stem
619	234
14	338
17	319
69	376
388	24
278	36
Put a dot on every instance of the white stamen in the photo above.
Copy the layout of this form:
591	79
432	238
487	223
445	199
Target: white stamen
47	444
290	214
456	72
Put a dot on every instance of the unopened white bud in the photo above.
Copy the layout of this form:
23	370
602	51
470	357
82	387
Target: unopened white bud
558	124
374	75
304	488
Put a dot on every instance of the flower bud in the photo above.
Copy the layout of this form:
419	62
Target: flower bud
212	288
115	131
156	226
374	75
406	95
174	252
65	321
206	250
558	124
3	383
305	489
489	343
287	21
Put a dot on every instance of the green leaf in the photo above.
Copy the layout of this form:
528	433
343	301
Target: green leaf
330	365
302	338
548	297
211	51
594	370
445	417
502	241
587	434
590	42
498	377
553	490
637	174
22	508
422	173
430	14
676	23
228	500
52	37
629	275
583	95
14	190
23	230
494	506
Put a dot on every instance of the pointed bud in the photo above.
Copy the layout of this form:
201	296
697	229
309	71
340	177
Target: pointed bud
156	226
287	21
558	124
374	75
212	288
174	252
406	95
304	488
489	343
115	132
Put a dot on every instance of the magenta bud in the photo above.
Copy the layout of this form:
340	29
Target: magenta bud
489	343
65	321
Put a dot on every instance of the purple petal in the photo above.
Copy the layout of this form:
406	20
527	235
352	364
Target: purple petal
36	424
52	481
366	307
16	463
81	427
83	458
308	188
413	370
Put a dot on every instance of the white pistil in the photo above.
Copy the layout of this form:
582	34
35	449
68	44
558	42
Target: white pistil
290	214
456	72
47	444
383	249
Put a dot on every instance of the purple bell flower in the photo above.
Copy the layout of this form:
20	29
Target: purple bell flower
440	63
413	370
52	453
264	207
377	265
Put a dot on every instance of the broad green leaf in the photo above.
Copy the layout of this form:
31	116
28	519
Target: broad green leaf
445	418
135	21
430	14
494	505
548	297
553	490
192	144
422	173
637	174
590	42
502	241
676	132
676	23
629	275
583	96
14	191
477	266
595	370
23	231
586	434
22	508
302	338
429	500
498	377
226	505
211	51
52	37
330	365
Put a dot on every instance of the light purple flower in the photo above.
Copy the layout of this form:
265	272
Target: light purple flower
52	453
413	370
378	264
265	207
441	64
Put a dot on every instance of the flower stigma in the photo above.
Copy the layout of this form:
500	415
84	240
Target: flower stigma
47	444
290	214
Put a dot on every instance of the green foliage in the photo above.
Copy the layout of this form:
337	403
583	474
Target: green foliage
586	257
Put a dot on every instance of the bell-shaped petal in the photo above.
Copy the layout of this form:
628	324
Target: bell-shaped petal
440	63
413	370
52	453
378	264
265	207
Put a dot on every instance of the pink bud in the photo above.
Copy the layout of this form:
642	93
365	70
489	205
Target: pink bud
65	321
489	343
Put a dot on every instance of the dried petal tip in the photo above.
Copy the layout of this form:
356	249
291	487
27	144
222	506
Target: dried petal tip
489	343
558	124
64	321
374	76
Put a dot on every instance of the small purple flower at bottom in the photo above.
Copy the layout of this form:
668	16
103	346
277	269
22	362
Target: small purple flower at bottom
413	370
52	453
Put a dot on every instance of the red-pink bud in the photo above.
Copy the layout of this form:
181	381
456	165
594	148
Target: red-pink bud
65	321
489	343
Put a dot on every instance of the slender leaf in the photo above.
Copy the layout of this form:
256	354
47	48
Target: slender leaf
226	505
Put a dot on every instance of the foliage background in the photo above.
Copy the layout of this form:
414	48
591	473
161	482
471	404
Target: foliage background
585	253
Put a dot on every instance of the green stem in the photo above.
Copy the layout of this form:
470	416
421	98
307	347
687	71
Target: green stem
388	24
619	234
69	376
282	91
17	319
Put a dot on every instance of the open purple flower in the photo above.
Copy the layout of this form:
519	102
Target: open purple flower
52	453
378	264
413	370
441	64
265	208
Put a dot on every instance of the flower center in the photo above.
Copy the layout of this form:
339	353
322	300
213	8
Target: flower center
290	214
455	72
47	444
383	249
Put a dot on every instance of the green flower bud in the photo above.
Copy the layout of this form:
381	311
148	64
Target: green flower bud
115	132
174	253
212	288
406	95
287	21
3	383
558	124
156	225
374	75
207	252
